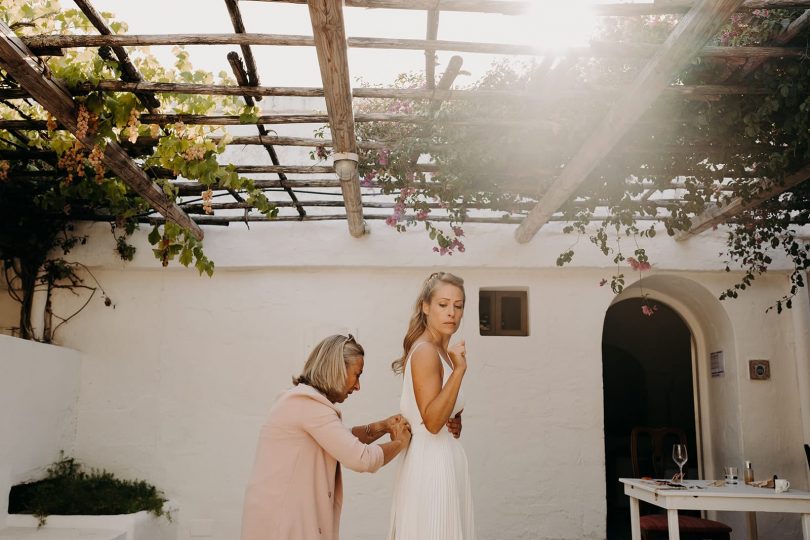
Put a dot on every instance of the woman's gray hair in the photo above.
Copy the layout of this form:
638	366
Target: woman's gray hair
325	369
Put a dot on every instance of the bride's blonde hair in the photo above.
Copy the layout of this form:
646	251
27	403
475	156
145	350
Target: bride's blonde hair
418	322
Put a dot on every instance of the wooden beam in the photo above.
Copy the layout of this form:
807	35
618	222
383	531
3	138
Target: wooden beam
791	32
30	73
717	214
595	50
676	91
333	58
430	54
510	7
247	53
128	71
242	79
685	41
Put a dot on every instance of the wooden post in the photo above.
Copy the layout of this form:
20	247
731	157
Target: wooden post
685	41
330	43
715	215
20	63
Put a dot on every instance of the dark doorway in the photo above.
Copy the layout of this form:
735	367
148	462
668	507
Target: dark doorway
647	376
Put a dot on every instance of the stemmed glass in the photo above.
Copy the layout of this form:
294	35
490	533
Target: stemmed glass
679	456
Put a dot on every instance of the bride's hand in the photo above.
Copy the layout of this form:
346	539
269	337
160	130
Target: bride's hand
458	355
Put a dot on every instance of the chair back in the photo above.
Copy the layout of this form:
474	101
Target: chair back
651	449
807	453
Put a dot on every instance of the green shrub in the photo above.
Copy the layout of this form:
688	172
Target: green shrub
68	490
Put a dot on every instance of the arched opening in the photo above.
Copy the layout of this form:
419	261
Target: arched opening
649	381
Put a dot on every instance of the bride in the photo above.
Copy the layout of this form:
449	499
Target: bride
432	499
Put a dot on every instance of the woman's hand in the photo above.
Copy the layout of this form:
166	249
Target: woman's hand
401	432
392	421
458	355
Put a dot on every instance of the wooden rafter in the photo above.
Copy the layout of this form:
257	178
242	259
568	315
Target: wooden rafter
510	7
595	50
19	62
716	214
786	36
430	54
128	71
330	43
242	79
700	91
247	53
683	44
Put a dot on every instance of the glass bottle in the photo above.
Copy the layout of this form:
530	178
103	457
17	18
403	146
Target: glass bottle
748	473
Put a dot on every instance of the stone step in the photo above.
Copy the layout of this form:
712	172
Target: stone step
60	533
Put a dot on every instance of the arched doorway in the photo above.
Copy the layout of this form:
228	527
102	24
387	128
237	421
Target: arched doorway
648	376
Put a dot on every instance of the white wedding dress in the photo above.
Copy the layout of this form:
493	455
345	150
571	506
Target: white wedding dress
432	499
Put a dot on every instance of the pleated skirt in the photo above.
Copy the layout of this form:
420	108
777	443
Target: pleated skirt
432	498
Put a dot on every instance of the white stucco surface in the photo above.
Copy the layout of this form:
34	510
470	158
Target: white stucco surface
178	377
39	392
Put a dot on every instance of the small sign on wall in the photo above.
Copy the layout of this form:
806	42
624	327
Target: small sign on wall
717	363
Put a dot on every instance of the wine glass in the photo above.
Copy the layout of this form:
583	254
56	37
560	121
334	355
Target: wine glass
679	456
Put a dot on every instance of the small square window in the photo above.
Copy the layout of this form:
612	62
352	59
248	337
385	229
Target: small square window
503	312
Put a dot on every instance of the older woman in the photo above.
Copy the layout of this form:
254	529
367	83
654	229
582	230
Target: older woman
295	491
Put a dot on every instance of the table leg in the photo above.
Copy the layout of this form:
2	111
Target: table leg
751	518
806	526
635	525
672	524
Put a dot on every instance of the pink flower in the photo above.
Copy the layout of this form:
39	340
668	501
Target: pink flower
647	310
422	215
321	152
458	231
368	179
639	266
393	219
382	157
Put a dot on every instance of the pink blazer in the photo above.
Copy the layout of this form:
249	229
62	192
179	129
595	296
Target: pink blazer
295	491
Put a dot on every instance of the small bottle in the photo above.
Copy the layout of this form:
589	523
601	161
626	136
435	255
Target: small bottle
748	473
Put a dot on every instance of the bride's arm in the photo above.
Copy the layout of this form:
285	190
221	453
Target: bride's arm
434	401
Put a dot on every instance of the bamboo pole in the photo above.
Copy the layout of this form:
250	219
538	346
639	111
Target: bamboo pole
19	62
683	44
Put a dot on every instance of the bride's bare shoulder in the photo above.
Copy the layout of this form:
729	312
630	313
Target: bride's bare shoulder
425	357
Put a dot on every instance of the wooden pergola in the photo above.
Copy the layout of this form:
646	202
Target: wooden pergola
21	58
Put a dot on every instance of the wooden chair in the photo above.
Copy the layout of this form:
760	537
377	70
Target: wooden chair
651	460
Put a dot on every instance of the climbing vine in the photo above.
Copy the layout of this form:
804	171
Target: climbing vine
40	197
502	154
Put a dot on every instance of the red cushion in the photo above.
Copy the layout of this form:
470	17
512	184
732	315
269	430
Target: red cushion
687	524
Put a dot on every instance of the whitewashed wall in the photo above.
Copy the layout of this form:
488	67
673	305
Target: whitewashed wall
178	377
39	391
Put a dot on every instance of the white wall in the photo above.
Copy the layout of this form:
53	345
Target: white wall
178	377
39	390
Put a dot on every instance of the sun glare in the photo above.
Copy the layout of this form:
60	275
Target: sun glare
557	25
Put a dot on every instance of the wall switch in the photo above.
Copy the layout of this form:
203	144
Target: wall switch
759	370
